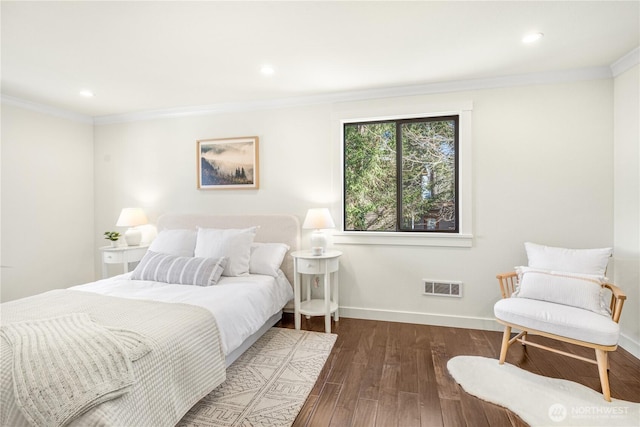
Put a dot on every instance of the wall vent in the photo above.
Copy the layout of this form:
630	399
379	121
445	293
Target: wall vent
445	288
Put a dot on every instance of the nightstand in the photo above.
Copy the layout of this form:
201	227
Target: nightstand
121	255
327	265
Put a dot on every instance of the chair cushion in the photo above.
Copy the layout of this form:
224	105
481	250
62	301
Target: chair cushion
558	319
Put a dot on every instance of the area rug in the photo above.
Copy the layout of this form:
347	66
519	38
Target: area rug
538	400
268	384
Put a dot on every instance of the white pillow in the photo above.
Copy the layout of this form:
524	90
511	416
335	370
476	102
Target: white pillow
586	261
175	242
235	244
266	258
179	270
578	290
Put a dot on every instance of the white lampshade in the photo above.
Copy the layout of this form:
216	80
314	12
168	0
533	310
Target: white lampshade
318	219
132	217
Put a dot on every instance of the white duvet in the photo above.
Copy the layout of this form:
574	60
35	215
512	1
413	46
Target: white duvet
240	305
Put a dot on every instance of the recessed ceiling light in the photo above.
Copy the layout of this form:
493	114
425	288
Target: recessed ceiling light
86	93
267	70
533	37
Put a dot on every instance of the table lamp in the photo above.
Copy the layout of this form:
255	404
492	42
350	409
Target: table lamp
318	219
132	217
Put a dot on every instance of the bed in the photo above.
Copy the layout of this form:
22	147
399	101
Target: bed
166	345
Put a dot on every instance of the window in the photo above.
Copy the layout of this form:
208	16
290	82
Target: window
402	175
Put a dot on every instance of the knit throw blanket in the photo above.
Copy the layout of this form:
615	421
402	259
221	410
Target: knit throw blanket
66	365
185	363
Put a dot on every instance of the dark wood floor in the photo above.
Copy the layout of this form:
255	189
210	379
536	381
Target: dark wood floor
394	374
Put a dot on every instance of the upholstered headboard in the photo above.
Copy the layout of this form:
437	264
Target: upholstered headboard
272	229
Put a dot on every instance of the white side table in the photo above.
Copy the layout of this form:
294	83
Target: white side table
327	264
121	255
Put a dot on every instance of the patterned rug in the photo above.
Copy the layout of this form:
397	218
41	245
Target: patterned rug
268	384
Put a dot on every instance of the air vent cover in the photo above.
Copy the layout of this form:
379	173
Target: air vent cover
445	288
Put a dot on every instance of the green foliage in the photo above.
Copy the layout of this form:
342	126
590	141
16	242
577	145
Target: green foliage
370	176
112	235
427	175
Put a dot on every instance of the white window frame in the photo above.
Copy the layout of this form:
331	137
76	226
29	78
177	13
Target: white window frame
464	236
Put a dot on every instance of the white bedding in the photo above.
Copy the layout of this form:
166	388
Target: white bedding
240	305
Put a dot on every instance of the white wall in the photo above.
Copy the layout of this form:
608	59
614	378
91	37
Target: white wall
627	200
47	203
542	171
152	164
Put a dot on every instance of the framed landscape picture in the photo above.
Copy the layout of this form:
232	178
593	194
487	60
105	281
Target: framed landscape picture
230	163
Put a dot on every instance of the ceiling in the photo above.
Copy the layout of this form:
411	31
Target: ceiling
142	55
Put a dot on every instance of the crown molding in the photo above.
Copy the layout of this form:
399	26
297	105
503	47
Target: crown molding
45	109
628	61
552	77
390	92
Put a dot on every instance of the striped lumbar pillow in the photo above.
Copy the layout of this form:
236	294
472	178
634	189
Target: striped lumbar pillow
577	290
160	267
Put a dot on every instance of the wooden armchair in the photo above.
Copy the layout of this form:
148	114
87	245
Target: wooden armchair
533	317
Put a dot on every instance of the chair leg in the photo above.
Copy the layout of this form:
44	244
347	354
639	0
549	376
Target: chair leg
602	359
506	335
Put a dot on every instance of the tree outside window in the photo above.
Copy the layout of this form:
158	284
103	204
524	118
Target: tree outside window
401	175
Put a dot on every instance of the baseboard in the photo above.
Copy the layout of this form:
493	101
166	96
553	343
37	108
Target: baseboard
467	322
630	345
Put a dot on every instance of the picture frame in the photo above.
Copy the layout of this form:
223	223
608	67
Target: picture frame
228	163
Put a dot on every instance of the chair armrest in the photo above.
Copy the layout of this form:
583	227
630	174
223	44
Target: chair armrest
508	282
617	301
616	291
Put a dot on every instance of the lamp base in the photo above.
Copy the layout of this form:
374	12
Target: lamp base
133	237
319	240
